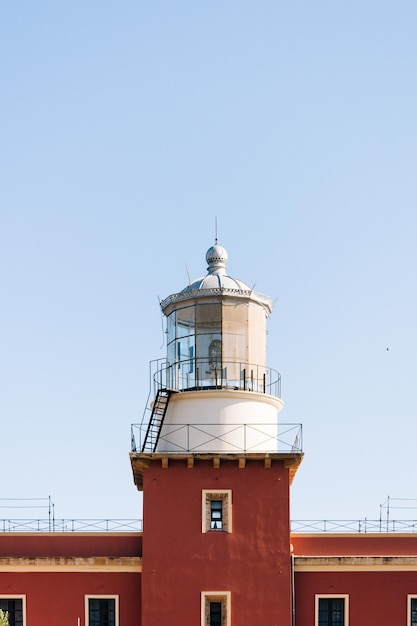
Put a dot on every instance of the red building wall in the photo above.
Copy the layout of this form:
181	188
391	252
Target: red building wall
68	544
36	565
57	599
252	562
375	544
382	572
375	598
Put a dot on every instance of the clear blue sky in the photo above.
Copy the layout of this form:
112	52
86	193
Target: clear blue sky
125	128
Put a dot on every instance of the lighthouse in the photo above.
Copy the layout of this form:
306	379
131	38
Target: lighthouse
214	463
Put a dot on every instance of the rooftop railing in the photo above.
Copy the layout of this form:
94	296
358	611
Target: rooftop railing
135	525
70	525
354	526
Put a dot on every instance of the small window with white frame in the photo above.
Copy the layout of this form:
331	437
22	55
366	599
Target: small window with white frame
332	610
14	606
412	610
102	610
217	510
215	608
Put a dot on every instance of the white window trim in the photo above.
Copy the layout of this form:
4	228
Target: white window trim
16	596
227	493
102	596
410	596
326	596
208	595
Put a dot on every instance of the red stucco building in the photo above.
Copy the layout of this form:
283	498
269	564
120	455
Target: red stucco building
215	466
69	578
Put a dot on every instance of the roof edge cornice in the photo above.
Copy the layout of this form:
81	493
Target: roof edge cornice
191	294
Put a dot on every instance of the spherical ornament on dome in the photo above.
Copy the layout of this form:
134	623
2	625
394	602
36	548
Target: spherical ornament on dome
216	258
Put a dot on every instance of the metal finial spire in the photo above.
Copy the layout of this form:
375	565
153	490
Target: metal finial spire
215	230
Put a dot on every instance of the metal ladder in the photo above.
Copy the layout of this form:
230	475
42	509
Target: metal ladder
156	420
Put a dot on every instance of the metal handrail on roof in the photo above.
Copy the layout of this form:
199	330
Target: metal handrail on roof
354	526
69	525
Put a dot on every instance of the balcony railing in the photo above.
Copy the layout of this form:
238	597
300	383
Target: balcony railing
196	374
229	438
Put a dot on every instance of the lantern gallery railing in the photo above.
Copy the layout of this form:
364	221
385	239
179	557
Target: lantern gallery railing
229	438
192	374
